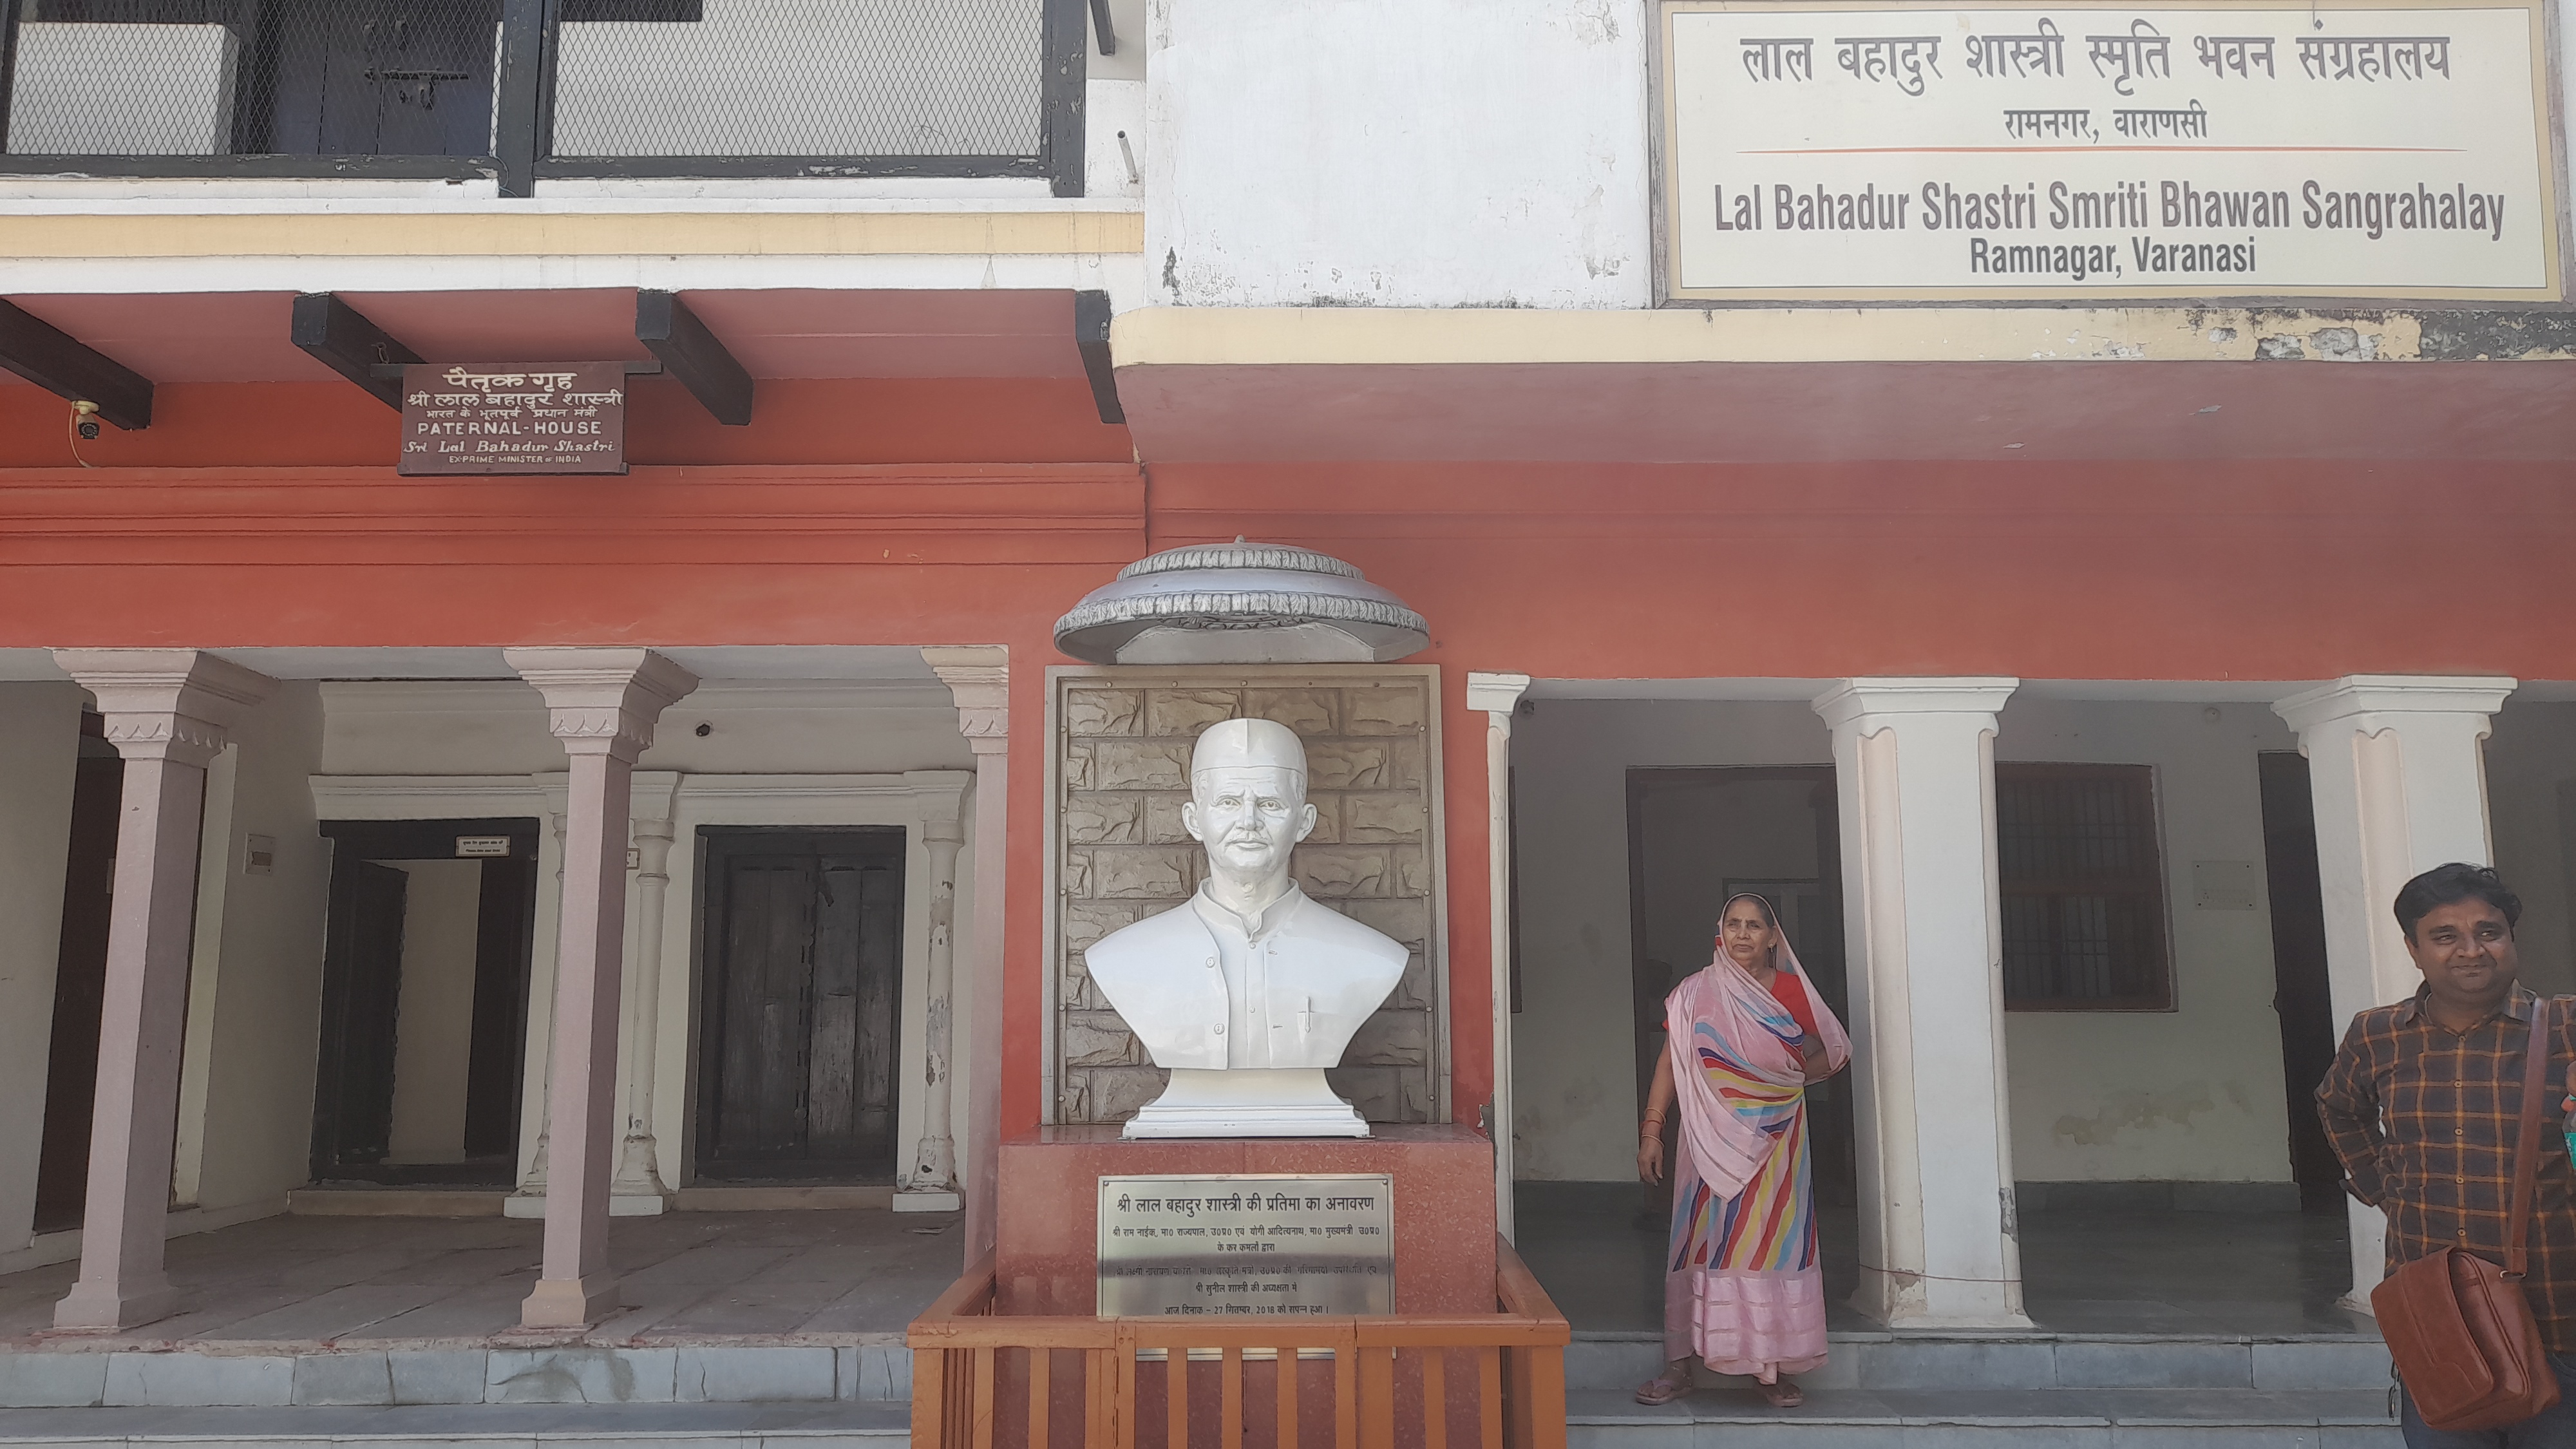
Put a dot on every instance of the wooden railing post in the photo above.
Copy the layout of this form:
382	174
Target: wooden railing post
1377	1398
930	1397
1346	1388
1489	1396
1287	1406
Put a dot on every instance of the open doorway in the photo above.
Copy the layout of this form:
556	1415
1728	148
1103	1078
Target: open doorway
80	980
802	973
1697	836
424	1002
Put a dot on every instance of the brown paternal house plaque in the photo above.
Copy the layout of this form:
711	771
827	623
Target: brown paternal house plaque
483	417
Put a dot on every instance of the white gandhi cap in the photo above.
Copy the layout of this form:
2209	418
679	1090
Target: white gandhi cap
1238	743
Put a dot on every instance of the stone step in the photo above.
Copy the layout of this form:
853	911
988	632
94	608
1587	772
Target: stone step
1880	1361
253	1375
1735	1418
483	1426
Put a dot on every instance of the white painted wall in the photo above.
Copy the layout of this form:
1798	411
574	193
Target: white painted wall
1429	153
2193	1094
258	1063
40	739
434	1014
2531	812
1573	1054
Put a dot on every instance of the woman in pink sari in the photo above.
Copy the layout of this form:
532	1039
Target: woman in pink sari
1743	1040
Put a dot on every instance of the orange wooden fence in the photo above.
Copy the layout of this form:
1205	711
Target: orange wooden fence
982	1380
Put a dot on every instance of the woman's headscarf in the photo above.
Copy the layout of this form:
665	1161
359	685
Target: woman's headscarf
1734	1051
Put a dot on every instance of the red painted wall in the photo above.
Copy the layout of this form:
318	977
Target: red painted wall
976	511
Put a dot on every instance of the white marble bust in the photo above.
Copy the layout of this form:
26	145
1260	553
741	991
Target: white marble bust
1251	989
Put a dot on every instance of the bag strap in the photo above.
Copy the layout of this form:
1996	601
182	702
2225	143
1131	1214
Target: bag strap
2526	1155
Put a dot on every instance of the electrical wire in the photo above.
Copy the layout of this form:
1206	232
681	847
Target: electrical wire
72	430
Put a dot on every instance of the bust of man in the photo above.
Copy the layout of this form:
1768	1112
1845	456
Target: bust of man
1251	989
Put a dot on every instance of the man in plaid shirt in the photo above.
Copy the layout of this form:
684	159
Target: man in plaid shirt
2423	1103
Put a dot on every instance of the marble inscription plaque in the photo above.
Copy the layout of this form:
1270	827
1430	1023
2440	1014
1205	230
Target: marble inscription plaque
1249	1243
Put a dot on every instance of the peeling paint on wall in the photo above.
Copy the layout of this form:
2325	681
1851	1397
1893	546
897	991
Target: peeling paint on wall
2138	1111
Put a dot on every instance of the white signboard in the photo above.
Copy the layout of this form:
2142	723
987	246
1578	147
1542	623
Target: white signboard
1876	151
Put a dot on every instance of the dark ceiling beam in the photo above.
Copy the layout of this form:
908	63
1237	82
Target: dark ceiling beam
342	339
1091	317
1108	34
692	354
61	364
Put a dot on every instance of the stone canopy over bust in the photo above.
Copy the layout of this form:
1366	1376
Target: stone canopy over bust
1251	989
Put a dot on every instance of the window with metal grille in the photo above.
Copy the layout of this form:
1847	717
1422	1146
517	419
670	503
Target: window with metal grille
530	89
821	78
2082	881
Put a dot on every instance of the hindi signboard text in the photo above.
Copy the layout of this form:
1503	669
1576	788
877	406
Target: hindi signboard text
1848	150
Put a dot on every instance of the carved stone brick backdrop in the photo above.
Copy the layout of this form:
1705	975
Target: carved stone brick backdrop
1124	741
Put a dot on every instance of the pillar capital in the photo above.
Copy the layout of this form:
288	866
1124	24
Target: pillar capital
603	701
2368	700
173	704
978	677
1865	705
1495	693
939	803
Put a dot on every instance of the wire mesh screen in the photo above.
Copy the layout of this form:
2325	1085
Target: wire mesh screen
800	78
2082	884
254	77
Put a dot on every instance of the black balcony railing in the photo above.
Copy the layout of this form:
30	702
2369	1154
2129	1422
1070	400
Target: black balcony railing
533	89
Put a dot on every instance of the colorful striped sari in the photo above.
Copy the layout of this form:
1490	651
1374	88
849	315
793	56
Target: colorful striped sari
1743	1290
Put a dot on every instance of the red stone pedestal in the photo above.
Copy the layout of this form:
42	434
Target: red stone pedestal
1047	1255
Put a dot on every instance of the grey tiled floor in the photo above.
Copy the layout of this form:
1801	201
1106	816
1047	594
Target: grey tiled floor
352	1280
2082	1271
2098	1419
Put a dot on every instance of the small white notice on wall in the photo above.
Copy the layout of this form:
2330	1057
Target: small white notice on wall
2223	885
482	847
1869	151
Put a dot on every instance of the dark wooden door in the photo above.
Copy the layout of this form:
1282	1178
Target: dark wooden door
353	1098
373	78
80	985
2300	994
1668	807
799	1030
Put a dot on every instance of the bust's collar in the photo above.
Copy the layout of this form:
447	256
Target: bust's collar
1252	925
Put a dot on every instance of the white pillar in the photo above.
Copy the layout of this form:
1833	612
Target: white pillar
2398	782
1914	769
933	1184
529	1200
979	679
602	704
640	1188
166	711
1498	695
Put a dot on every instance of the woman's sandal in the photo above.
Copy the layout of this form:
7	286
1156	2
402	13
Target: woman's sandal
1782	1395
1663	1388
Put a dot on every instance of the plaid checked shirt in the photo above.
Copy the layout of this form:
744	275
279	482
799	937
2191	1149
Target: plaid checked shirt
2424	1120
